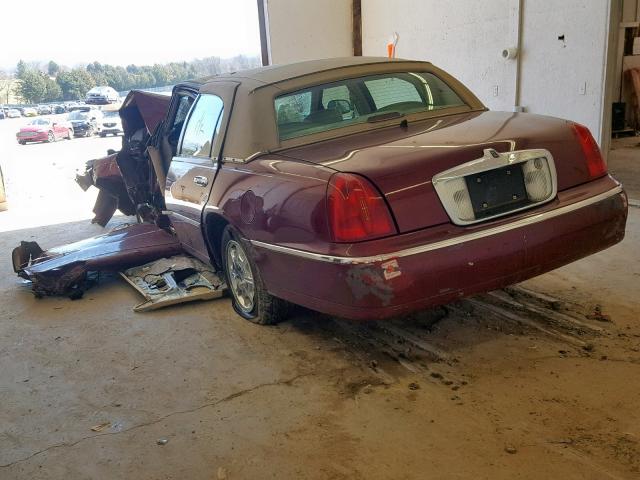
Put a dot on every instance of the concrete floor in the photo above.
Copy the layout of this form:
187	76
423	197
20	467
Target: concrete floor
624	164
312	398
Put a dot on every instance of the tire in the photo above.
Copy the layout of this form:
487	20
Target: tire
103	134
255	305
69	134
22	142
51	137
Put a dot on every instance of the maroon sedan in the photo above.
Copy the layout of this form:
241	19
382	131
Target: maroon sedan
359	187
44	130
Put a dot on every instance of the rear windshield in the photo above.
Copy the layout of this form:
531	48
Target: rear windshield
365	99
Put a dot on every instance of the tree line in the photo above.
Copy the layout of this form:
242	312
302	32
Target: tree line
52	82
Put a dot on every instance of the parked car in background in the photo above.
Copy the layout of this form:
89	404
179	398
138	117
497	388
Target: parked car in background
29	112
13	113
44	110
110	123
2	114
102	95
44	130
85	123
365	187
58	109
80	106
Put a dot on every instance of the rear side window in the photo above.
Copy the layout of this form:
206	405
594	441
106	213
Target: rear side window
199	134
359	100
293	108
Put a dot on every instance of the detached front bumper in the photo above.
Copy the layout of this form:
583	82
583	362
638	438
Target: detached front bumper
409	272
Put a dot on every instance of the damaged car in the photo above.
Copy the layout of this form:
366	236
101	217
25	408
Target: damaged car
362	187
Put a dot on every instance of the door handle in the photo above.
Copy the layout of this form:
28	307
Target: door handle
200	180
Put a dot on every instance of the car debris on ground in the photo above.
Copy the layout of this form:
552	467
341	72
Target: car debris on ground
169	281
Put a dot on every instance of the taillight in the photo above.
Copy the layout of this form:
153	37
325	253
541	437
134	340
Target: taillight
593	157
356	210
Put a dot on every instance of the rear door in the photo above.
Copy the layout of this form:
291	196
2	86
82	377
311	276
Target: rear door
193	169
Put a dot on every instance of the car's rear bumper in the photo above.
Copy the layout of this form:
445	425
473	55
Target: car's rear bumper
438	265
81	129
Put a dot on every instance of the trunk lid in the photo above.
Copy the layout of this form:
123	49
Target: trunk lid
401	161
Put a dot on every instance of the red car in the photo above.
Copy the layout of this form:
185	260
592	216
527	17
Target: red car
359	187
44	130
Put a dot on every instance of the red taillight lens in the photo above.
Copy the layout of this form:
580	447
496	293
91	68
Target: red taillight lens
595	162
356	209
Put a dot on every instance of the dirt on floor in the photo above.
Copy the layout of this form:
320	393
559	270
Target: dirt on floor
510	385
536	381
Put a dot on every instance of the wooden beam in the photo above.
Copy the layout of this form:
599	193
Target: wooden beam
264	41
357	28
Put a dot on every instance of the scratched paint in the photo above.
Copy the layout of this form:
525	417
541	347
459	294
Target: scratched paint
365	280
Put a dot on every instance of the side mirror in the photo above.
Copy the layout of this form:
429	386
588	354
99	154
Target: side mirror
55	124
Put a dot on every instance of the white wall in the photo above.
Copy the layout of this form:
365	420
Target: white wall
565	78
308	29
466	38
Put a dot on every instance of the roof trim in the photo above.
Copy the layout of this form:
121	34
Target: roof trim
341	67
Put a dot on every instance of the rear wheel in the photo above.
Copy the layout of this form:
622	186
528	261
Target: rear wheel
51	137
249	295
22	142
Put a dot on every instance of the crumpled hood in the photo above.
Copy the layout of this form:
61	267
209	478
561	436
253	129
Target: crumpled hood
61	270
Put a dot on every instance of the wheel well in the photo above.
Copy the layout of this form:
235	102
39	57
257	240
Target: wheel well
214	226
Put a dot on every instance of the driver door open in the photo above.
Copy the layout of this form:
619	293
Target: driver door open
193	167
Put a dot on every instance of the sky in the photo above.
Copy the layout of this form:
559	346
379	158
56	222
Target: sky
121	32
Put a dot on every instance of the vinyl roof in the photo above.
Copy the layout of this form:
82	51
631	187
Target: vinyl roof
277	73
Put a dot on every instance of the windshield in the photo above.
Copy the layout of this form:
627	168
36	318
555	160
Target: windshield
357	100
113	114
78	115
39	121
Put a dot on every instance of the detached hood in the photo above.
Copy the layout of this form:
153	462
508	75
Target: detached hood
401	161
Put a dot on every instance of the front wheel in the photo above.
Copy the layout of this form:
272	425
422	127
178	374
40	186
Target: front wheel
51	137
249	296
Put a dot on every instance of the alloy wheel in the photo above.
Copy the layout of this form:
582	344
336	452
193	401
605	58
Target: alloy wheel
240	276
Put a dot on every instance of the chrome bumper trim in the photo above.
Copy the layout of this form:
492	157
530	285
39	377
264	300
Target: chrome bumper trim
540	217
